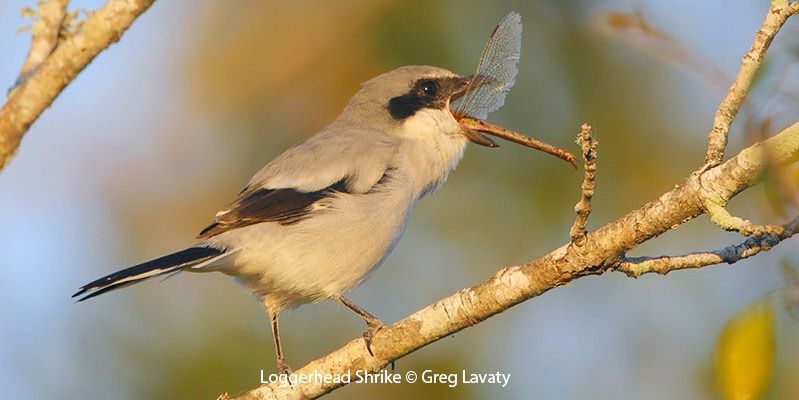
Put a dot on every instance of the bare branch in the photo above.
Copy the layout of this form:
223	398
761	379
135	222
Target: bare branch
636	266
512	285
715	207
44	36
583	207
102	28
777	14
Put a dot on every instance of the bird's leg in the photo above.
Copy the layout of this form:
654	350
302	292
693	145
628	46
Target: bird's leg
373	324
282	366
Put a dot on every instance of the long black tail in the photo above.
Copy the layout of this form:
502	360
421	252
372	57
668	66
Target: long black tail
137	273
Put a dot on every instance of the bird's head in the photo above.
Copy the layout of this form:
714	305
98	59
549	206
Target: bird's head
407	96
419	100
415	95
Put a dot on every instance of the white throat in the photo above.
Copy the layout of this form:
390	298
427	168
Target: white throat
431	147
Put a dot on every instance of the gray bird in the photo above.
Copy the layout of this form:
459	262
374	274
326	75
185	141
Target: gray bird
318	219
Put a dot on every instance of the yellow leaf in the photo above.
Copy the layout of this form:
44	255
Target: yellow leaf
745	353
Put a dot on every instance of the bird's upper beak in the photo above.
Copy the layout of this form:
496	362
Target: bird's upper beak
473	128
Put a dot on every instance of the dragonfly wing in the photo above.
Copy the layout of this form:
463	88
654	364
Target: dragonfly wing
496	71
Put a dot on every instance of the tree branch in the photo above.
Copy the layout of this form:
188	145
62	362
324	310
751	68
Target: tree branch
637	266
602	250
717	211
102	28
777	14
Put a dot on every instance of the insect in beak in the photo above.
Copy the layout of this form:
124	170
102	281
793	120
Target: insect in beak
484	92
474	128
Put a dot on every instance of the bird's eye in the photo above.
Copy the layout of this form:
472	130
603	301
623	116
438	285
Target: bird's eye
429	88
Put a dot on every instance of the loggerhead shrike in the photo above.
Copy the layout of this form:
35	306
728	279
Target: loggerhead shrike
318	219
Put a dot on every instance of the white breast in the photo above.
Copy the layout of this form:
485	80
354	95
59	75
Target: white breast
336	248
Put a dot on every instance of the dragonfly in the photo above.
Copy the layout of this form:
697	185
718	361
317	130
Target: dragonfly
495	76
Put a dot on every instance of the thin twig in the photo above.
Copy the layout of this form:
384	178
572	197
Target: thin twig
588	144
44	36
718	213
636	266
777	14
102	28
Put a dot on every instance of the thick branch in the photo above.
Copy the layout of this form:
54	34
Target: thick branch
103	27
601	251
637	266
778	13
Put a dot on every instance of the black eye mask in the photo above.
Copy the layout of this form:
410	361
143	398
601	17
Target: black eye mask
425	93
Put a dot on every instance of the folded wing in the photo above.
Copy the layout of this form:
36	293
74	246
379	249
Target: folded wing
286	190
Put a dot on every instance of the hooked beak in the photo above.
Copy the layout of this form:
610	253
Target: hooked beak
473	128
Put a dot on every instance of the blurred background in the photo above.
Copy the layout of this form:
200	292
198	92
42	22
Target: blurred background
165	127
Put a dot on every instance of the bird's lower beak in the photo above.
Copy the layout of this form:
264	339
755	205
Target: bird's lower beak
476	137
473	129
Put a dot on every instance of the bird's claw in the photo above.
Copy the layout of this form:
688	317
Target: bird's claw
372	327
283	367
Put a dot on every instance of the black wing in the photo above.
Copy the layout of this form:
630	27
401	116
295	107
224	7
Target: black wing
284	206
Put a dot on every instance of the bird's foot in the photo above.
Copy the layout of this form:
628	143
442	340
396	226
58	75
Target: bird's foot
283	367
373	325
